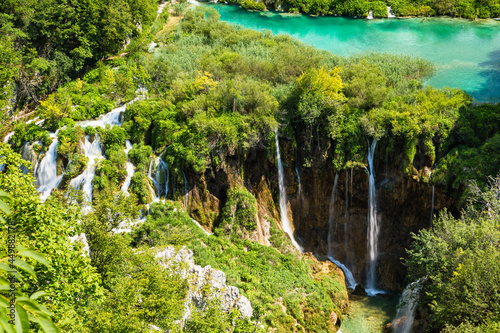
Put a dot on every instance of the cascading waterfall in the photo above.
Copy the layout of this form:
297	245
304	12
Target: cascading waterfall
373	228
390	14
8	137
163	168
153	192
130	169
370	15
298	179
283	202
405	316
349	278
83	182
111	118
46	173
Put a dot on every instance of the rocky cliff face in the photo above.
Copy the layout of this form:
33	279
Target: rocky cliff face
404	206
205	283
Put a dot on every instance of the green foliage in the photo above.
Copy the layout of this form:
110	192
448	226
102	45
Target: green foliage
458	257
144	293
253	5
166	224
240	212
471	148
29	133
19	310
262	274
70	279
106	246
46	43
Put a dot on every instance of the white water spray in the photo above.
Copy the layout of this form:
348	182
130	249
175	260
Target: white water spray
46	173
390	14
83	182
405	316
373	227
283	202
130	169
8	137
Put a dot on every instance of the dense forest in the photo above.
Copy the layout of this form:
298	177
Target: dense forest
361	8
192	108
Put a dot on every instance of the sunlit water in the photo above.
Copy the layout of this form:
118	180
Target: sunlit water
467	53
369	314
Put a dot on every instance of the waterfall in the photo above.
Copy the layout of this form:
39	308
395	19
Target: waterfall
164	166
298	180
46	173
405	316
186	193
8	137
370	15
349	278
153	192
111	118
130	169
83	182
373	228
390	14
283	202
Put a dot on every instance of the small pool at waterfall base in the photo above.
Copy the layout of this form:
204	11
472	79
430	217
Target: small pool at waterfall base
369	314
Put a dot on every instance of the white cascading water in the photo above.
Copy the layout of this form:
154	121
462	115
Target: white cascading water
46	173
111	118
8	137
373	228
405	316
349	278
154	192
283	202
163	166
390	14
370	15
130	169
83	182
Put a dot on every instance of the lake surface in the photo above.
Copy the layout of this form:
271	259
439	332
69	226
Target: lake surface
467	54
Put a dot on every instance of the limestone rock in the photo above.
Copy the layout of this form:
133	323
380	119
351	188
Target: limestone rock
200	280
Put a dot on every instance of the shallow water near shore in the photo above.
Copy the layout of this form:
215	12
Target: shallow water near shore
467	54
369	314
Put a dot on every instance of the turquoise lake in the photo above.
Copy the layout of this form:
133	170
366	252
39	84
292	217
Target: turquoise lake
467	54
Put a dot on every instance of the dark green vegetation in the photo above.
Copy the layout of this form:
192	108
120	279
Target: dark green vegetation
468	9
459	259
269	278
216	93
45	43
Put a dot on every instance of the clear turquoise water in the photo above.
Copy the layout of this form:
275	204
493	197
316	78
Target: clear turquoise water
467	53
